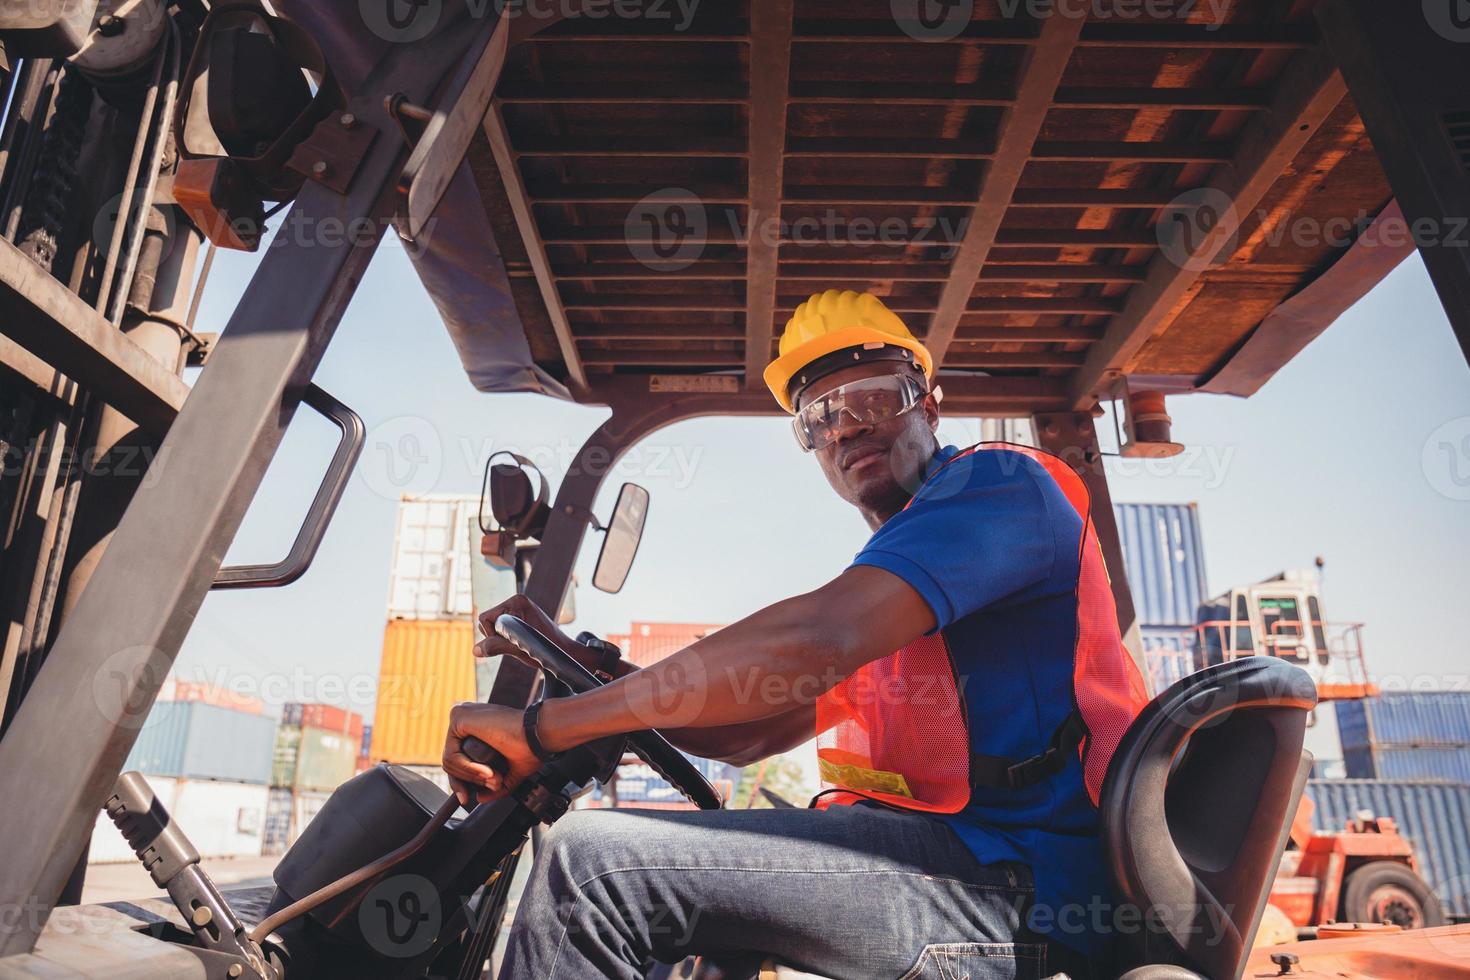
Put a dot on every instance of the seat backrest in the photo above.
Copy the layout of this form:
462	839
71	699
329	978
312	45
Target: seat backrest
1195	811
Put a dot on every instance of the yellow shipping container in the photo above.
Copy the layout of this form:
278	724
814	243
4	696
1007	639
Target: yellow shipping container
428	667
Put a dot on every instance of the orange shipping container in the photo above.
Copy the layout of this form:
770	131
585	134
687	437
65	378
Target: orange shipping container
428	667
645	644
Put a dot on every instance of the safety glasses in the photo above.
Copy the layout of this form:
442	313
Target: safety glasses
867	402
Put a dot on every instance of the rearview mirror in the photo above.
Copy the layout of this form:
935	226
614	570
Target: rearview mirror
620	545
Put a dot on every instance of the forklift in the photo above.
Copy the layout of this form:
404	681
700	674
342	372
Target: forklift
612	206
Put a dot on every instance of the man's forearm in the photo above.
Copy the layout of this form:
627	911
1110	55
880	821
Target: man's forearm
764	666
781	658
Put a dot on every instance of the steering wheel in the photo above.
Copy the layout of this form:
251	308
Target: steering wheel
648	745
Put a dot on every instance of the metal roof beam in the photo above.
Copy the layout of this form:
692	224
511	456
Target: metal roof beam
520	205
770	75
1040	76
54	324
1308	91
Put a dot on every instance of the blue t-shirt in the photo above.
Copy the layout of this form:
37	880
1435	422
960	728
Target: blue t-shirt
991	543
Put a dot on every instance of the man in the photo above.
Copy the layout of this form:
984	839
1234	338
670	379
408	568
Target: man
959	836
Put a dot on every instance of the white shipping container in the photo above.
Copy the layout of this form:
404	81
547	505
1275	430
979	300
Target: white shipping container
221	819
436	538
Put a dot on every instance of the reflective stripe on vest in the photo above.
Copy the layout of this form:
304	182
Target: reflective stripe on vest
897	730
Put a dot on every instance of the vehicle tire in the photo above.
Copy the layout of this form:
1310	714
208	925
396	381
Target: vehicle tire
1387	891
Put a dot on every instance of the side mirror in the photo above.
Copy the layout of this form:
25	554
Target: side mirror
620	545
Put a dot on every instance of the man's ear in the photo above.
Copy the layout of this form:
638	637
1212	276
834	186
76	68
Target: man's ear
931	412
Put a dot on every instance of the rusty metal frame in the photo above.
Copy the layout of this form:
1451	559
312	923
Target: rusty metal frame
770	73
1035	89
54	325
1307	92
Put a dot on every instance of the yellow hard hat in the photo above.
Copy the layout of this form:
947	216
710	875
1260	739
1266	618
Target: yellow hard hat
834	321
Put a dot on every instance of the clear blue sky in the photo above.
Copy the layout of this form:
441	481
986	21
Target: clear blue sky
1329	459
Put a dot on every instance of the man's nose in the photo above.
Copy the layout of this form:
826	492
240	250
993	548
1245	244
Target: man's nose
849	426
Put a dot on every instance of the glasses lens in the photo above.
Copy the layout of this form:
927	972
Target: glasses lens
870	401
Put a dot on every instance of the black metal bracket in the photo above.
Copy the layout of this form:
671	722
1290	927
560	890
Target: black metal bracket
314	528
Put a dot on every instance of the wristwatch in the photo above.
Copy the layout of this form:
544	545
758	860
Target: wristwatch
608	655
529	722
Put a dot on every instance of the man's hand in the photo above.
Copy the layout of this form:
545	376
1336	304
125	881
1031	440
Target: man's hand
495	645
498	727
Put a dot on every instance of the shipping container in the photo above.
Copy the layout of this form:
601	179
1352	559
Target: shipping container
639	784
1406	718
1168	653
365	747
283	758
645	644
327	717
1164	557
277	837
195	740
1436	762
428	667
433	543
175	689
326	759
1435	817
221	819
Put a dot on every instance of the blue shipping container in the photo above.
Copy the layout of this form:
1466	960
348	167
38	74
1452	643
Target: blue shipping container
195	740
1168	652
1435	817
1449	763
1164	557
634	789
1417	718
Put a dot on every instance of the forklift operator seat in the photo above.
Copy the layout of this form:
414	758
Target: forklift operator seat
1195	811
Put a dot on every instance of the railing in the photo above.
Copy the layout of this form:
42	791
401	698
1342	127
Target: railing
1343	675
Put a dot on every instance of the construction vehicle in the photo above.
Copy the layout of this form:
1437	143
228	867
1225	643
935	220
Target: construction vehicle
1072	207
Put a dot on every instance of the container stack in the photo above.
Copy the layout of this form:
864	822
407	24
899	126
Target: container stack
316	750
1163	555
207	756
428	664
645	644
1422	735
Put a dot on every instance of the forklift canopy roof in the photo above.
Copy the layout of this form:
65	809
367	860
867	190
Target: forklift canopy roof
1044	201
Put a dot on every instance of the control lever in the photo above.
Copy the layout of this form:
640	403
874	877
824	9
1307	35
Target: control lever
481	753
173	861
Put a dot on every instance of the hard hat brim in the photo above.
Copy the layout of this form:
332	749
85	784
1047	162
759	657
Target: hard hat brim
778	373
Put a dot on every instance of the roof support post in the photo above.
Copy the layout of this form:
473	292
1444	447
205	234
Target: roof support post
1407	74
1309	89
520	206
1073	437
770	72
1036	87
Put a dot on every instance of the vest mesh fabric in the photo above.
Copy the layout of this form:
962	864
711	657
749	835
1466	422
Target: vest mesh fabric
897	731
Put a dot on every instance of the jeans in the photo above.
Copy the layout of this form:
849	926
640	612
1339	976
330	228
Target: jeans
854	891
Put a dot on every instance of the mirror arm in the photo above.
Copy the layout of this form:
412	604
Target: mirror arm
571	510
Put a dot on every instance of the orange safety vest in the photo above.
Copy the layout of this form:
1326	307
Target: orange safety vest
896	730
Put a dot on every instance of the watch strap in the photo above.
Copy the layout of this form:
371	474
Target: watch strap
533	739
